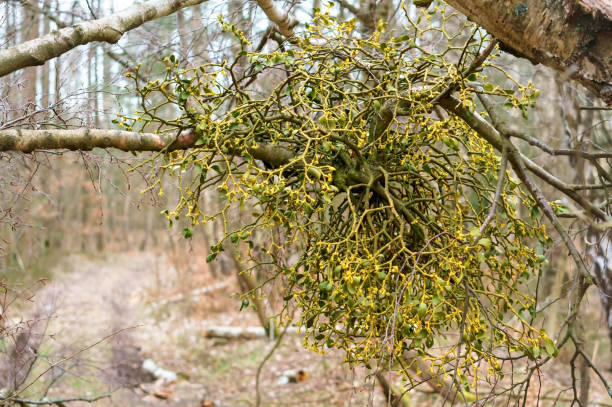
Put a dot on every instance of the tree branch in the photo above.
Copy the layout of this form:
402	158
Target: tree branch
81	139
283	21
572	36
518	161
491	135
501	178
57	402
107	29
60	24
27	141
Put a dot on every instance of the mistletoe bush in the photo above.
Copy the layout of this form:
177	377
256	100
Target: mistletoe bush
335	142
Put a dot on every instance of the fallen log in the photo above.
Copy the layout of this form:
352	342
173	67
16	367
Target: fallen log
193	294
237	332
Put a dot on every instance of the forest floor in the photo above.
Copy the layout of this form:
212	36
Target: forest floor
89	300
113	303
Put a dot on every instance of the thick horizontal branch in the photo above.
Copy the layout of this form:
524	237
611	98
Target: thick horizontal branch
571	36
107	29
27	141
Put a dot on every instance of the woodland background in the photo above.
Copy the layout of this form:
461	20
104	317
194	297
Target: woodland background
84	254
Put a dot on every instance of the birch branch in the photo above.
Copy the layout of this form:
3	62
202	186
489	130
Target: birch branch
107	29
283	21
572	36
60	24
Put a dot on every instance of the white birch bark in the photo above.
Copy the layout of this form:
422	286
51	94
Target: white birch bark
283	21
107	29
571	36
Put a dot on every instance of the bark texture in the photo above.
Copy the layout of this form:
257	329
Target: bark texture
107	29
82	139
27	141
571	36
283	21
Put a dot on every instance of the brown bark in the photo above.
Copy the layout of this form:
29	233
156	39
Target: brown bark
29	75
393	396
83	139
571	36
27	141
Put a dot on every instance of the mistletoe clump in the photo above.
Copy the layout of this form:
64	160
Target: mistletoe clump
335	143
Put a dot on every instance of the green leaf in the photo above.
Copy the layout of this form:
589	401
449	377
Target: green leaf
550	347
403	38
475	232
377	105
245	303
485	242
560	208
451	143
422	309
488	87
211	257
188	233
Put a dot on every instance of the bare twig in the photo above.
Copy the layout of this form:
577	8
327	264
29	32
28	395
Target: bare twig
67	358
479	60
58	402
500	186
263	362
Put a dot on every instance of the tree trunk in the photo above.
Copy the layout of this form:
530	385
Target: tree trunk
571	36
29	75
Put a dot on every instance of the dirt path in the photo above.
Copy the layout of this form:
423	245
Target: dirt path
92	298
